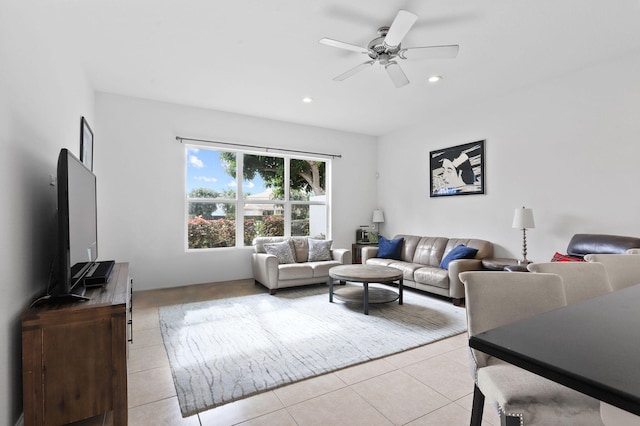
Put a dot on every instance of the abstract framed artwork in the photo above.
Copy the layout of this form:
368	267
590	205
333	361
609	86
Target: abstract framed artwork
86	144
458	170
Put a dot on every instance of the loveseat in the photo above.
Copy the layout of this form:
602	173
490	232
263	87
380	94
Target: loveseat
420	260
280	262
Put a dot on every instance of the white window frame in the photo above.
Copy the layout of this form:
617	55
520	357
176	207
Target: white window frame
240	201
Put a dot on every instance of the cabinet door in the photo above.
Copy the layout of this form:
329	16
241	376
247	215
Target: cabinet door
74	357
77	366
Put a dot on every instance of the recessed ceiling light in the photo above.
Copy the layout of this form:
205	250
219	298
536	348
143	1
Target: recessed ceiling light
434	78
307	100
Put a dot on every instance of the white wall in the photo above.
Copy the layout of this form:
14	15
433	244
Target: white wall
43	94
140	168
567	148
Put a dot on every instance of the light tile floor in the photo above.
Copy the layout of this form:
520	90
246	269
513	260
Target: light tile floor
429	385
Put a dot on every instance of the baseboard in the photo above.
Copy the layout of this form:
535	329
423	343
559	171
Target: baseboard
20	421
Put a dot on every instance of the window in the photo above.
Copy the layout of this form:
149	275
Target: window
273	195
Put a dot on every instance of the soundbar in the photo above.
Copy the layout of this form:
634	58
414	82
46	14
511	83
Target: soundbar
99	274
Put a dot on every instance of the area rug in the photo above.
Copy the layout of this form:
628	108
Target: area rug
224	350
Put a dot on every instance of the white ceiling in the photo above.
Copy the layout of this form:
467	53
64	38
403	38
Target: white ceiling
260	57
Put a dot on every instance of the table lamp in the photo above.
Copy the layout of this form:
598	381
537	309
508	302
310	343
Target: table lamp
378	217
523	219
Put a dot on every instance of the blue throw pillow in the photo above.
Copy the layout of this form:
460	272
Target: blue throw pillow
459	252
390	249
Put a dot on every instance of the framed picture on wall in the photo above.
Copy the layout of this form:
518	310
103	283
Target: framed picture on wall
86	144
458	170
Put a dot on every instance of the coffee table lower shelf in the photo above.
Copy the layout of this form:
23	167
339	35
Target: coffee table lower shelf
365	274
356	295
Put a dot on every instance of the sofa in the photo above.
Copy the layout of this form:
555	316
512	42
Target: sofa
307	261
581	245
420	259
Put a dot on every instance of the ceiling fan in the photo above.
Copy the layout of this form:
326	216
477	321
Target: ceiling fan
386	49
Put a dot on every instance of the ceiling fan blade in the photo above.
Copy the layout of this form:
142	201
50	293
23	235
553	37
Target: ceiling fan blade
396	74
399	28
353	71
430	52
343	45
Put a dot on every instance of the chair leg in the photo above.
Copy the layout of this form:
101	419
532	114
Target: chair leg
477	407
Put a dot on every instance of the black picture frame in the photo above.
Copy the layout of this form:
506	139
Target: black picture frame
458	170
86	144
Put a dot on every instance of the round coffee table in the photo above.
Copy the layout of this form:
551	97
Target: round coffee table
365	274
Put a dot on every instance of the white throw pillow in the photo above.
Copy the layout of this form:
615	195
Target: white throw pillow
319	250
281	250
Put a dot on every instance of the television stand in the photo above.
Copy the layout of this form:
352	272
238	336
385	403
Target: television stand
74	356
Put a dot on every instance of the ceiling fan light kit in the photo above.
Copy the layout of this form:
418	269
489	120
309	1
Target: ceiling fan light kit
386	48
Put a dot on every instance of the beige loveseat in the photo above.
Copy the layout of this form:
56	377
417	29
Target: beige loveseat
420	260
270	272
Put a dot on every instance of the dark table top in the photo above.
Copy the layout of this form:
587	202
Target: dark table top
591	346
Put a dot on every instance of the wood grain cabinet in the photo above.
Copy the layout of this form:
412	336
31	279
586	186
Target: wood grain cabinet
74	356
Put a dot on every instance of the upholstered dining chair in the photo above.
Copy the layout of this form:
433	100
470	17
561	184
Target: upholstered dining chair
581	280
623	270
494	299
614	416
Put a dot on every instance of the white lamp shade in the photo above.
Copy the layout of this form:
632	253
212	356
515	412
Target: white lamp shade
523	219
378	216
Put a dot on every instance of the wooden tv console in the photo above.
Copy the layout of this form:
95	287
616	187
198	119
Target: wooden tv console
74	355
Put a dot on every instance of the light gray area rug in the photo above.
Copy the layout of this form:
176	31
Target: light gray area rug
224	350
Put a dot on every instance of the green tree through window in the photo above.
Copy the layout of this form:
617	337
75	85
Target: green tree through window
306	175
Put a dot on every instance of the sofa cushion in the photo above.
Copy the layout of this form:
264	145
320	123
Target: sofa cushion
485	248
259	242
407	268
431	275
379	261
281	250
429	251
409	246
390	249
459	252
300	248
295	271
319	250
321	269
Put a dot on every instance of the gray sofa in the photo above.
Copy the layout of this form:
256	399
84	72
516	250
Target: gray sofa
268	271
420	263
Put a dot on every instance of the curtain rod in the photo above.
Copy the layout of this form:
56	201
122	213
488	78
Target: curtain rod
180	139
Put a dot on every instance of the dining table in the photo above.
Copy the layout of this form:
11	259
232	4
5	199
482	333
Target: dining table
591	346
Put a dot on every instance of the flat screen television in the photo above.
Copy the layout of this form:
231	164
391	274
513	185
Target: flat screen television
77	250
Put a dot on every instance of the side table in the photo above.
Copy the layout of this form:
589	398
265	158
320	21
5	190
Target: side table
503	264
356	251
